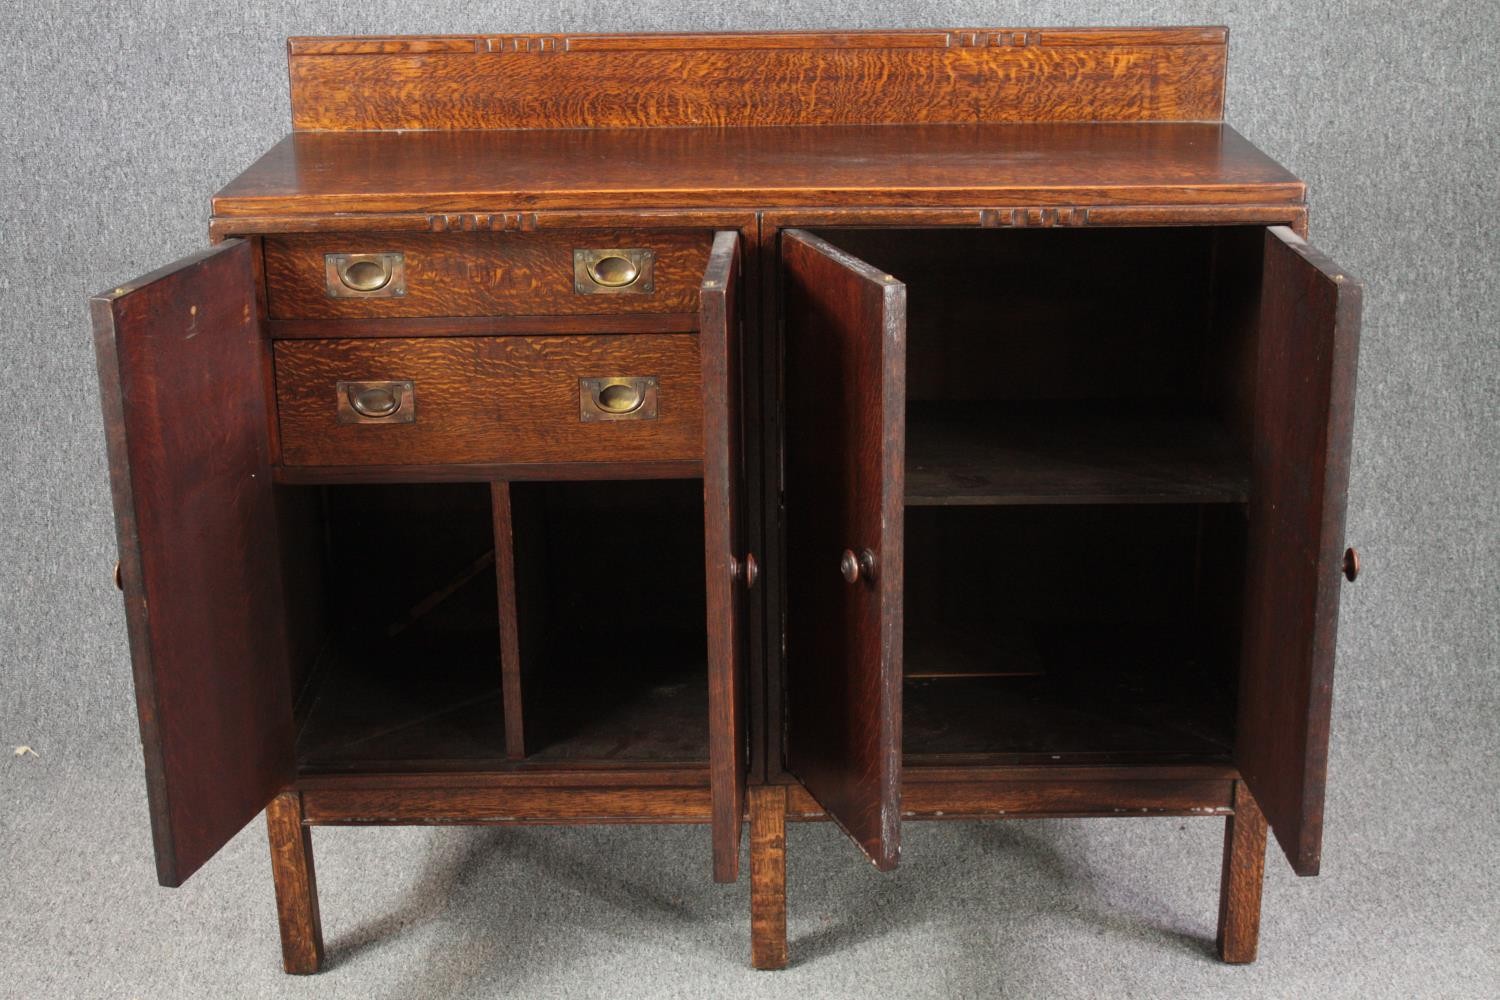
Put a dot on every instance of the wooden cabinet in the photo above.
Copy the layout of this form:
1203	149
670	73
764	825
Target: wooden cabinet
1068	538
967	440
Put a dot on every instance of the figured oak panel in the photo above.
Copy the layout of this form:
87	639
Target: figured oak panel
819	78
483	274
489	400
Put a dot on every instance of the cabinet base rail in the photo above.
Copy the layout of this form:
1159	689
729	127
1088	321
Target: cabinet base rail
936	794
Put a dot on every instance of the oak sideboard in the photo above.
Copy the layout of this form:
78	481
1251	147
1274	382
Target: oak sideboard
731	429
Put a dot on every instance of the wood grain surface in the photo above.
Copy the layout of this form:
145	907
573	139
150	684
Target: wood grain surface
1303	419
876	77
994	793
1242	879
593	774
489	400
428	220
725	556
768	946
553	804
182	363
296	885
1042	164
483	472
987	454
482	274
479	326
509	599
845	432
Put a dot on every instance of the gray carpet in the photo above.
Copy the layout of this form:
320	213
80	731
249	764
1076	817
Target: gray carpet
119	121
1019	909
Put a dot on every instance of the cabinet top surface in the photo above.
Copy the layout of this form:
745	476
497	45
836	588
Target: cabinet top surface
916	165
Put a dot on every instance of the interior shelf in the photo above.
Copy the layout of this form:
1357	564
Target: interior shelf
424	700
430	701
409	676
982	453
1104	694
642	698
1078	634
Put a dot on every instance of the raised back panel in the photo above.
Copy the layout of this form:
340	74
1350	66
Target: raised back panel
874	77
1073	324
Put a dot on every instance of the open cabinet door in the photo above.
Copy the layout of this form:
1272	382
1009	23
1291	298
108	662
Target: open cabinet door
730	569
1304	408
845	336
182	374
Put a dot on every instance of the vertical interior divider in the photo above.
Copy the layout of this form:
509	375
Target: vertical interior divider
510	634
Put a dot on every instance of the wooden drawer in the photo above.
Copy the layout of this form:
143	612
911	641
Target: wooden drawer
484	274
490	400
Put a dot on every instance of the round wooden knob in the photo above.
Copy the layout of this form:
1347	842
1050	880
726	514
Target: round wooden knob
119	580
746	570
852	566
1351	564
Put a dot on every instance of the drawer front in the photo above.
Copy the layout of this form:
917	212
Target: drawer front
577	272
620	398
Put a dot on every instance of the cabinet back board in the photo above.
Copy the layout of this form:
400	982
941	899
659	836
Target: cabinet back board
800	78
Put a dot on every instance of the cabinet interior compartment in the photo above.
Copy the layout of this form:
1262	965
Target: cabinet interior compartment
1076	477
1074	365
611	621
408	656
394	619
1071	634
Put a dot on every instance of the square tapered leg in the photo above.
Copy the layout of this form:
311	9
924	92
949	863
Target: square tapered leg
1242	878
768	877
296	885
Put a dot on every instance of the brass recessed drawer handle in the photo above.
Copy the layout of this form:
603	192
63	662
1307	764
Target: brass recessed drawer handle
853	567
375	401
364	275
617	398
613	271
389	402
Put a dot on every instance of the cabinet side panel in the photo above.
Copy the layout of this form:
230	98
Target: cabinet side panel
180	357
